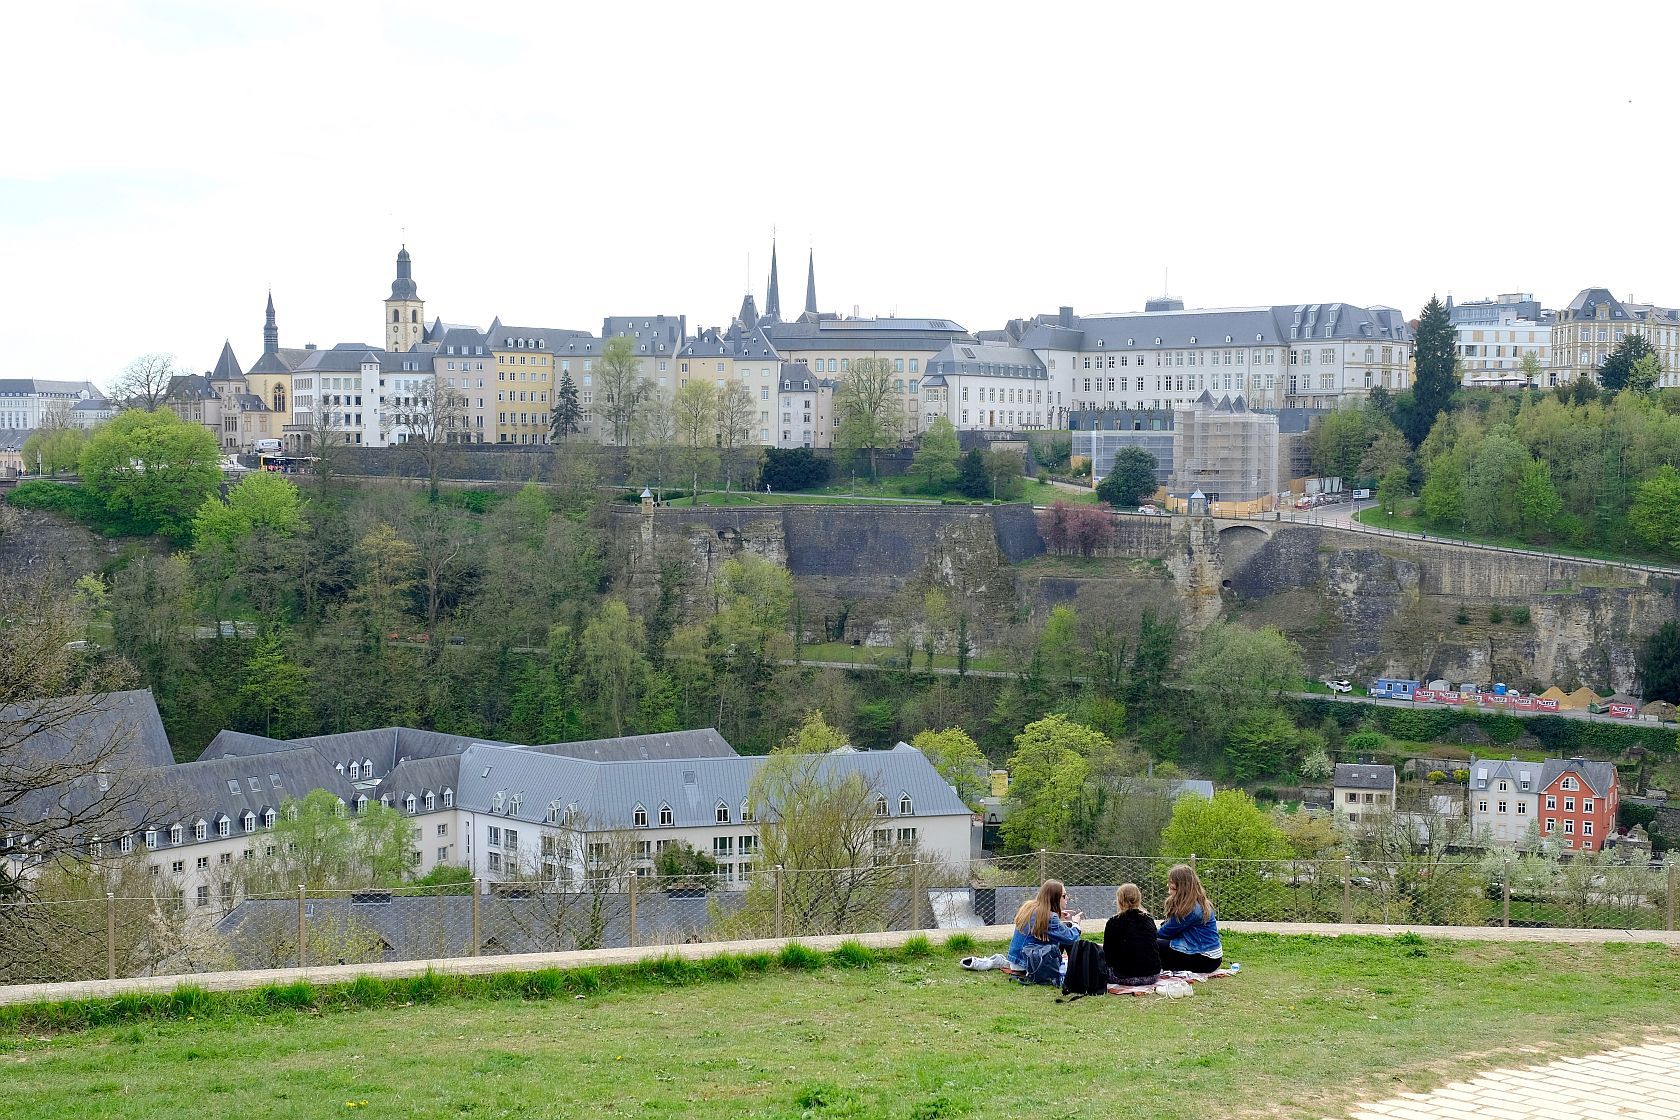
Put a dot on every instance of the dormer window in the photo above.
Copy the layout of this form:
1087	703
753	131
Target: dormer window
904	807
498	801
515	801
880	806
250	822
554	812
362	804
175	834
431	801
638	817
448	799
411	805
201	831
367	767
747	813
722	813
355	771
268	818
665	816
151	839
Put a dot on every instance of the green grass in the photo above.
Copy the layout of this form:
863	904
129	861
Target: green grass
1311	1026
1405	519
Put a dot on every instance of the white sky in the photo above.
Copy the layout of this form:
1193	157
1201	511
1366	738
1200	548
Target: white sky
164	163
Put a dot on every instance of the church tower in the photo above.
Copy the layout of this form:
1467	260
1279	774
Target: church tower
405	311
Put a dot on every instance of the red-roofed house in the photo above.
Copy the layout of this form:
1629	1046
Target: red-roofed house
1578	802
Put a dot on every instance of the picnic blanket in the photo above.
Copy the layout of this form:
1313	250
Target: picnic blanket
1173	984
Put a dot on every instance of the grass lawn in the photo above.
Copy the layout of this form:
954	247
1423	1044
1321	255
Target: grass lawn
1405	520
1309	1028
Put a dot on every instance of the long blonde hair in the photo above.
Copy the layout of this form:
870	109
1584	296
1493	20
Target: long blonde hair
1128	897
1185	893
1034	915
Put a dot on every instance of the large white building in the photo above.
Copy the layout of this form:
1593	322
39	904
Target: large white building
1310	355
1494	335
28	403
986	386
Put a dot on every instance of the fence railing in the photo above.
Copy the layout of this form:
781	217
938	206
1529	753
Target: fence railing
115	937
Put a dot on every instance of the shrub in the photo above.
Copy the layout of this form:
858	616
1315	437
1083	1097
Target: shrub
1519	615
1462	617
1461	775
56	497
1366	742
1437	775
1495	615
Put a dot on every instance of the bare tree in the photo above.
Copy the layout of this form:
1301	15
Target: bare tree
736	413
326	445
694	414
144	382
866	409
71	763
430	418
623	388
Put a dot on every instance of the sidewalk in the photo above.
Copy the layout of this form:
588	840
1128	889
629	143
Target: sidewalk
1631	1083
530	962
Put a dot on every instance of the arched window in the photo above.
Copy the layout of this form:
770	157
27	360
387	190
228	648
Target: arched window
280	398
665	815
396	316
414	316
904	809
880	806
638	817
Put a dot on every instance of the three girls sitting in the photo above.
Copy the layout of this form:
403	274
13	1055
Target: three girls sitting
1187	941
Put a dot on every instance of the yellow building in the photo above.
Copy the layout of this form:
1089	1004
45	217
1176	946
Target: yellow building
405	311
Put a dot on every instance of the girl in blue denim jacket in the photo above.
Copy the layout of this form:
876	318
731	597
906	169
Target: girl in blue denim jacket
1189	938
1041	920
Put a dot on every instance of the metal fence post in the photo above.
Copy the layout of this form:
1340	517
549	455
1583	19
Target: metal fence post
915	894
1347	890
778	900
1192	861
633	878
1505	898
302	930
477	888
110	936
1673	885
1043	865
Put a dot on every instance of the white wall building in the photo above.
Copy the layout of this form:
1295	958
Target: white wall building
27	402
1504	797
986	386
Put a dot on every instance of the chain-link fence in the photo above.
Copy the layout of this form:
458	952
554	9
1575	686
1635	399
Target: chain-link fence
43	941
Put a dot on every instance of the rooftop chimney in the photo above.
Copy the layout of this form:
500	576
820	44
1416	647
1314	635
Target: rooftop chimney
1064	317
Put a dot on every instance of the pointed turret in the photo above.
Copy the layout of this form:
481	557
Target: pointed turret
749	312
773	297
403	286
405	312
227	366
271	332
811	284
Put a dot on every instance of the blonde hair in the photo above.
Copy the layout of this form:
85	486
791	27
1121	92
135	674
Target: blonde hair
1185	893
1128	897
1034	915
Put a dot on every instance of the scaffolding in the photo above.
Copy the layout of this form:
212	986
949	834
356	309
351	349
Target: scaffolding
1224	451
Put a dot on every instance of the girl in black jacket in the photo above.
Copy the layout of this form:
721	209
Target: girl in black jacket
1129	940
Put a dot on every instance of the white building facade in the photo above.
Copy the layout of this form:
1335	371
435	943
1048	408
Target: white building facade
1504	798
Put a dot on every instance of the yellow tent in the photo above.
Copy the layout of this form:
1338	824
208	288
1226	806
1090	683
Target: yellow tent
1556	693
1580	699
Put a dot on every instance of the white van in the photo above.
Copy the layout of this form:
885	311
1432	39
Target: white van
268	445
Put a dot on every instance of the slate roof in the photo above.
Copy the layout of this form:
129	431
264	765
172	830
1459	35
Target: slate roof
46	387
605	794
132	715
206	790
1486	771
866	334
283	360
346	357
13	439
987	359
1278	324
1598	776
227	366
651	334
189	387
740	344
123	728
501	335
703	742
1351	775
1587	301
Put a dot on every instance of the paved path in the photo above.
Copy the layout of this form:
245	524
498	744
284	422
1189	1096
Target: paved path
1632	1083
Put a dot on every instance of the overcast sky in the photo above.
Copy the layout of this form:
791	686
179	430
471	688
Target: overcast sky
552	163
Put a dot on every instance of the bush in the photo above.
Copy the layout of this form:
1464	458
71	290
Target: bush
1366	742
1519	615
1437	775
1462	617
1461	775
795	468
1495	615
56	497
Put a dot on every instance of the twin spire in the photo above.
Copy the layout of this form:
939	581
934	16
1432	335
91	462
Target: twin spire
773	295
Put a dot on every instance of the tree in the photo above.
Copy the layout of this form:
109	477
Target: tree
1339	440
1130	480
1531	368
1659	664
1655	514
1538	504
813	736
736	414
386	565
655	455
1645	374
1388	450
679	861
144	383
1395	487
795	468
935	462
1259	744
866	409
567	419
432	418
622	387
318	844
1004	470
54	450
327	446
1437	373
1238	672
959	761
60	730
1492	477
1050	777
972	479
274	688
262	500
694	410
1227	826
152	471
614	669
1059	649
1617	371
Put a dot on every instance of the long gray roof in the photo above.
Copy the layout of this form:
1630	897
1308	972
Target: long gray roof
1587	301
702	742
866	334
651	334
987	359
1484	772
230	787
1278	324
46	387
605	794
742	344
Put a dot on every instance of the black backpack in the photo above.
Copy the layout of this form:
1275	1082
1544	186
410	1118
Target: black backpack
1087	971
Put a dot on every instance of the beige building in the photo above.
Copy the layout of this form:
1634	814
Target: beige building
740	358
405	311
1585	332
1361	790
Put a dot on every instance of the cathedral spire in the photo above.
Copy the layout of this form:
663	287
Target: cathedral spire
271	332
811	284
403	286
773	297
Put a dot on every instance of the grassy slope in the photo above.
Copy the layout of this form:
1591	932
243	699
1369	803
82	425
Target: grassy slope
1311	1026
1406	520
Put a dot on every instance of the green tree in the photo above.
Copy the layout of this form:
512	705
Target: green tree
935	462
1655	515
1130	480
867	410
814	735
1646	373
1388	450
1531	368
1442	497
754	601
1538	504
54	450
1492	477
695	412
318	844
274	688
1227	826
1339	440
1659	664
1050	777
152	471
1004	470
615	671
622	390
1437	372
972	479
1395	487
567	420
959	761
1237	672
1617	371
1259	745
262	500
386	566
1059	649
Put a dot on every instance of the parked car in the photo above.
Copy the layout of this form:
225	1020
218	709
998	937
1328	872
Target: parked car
1149	510
1338	684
